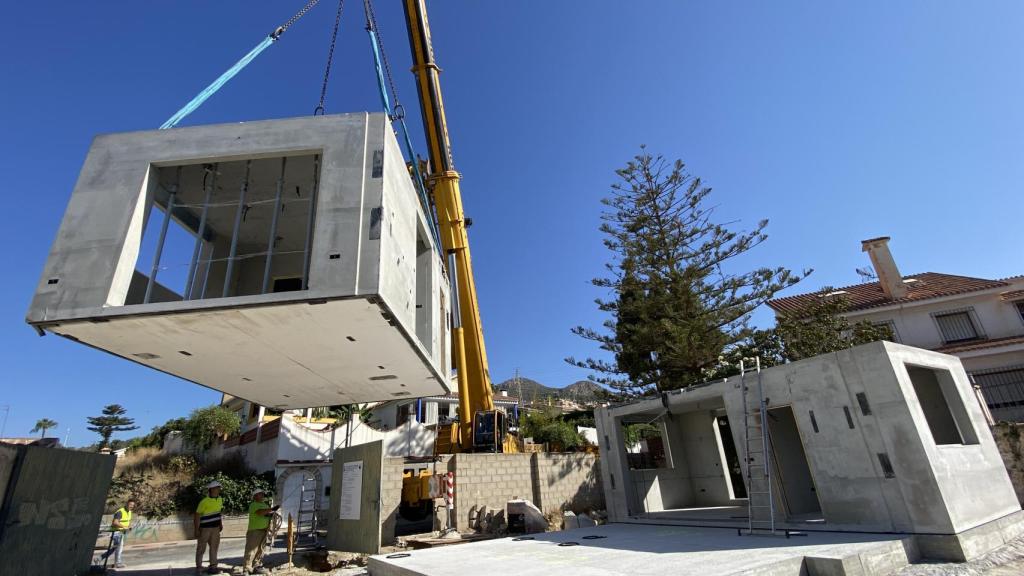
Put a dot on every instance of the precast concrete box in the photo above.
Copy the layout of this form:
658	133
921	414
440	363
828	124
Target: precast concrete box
287	262
878	438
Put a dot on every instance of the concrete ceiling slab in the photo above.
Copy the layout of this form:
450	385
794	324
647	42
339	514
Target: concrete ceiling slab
285	356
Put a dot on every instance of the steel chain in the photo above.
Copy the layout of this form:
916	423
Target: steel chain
330	59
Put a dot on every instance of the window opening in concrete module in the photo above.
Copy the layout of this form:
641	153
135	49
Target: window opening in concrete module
792	471
424	277
237	228
645	446
165	241
731	461
944	410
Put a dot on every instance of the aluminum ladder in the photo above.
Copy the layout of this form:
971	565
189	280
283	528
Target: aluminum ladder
309	505
760	499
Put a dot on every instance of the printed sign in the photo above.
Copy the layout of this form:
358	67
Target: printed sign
351	489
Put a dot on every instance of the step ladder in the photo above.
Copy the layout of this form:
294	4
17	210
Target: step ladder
309	505
760	499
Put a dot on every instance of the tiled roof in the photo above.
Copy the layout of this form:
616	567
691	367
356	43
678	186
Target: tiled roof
863	296
1012	295
981	344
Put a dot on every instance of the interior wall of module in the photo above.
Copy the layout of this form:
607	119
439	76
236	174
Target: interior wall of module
287	262
881	437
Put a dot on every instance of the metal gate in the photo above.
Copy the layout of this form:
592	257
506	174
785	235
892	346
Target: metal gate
354	522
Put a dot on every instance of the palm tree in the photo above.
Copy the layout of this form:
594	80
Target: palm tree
44	424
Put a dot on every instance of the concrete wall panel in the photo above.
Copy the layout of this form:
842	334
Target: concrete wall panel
51	512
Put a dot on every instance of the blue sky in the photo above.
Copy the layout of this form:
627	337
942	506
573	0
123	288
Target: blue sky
836	121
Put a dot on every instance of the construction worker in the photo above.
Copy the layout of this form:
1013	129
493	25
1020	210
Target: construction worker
208	526
118	528
256	536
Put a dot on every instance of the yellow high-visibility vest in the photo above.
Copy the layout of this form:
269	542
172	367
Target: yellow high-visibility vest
126	520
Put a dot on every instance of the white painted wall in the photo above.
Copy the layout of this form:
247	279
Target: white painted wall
916	327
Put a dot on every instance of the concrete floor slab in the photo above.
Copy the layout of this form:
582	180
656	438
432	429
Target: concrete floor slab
282	356
640	550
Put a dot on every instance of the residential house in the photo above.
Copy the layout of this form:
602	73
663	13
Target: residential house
977	319
431	410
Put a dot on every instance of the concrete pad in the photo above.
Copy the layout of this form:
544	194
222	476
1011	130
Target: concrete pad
646	550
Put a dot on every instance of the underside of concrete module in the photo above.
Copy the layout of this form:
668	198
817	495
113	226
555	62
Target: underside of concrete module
287	262
880	438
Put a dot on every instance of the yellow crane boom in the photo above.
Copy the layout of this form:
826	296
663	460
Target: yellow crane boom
468	351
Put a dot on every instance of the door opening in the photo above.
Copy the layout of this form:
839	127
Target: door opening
795	484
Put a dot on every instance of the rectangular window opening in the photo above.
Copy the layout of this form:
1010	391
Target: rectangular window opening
646	448
234	228
730	458
424	279
944	410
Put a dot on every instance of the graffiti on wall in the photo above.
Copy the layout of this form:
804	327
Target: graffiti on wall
59	514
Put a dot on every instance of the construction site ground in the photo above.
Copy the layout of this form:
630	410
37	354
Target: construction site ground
648	550
664	550
178	558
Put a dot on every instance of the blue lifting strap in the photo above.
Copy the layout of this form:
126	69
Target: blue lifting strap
217	84
417	176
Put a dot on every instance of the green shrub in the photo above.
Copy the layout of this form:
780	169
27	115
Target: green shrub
237	492
205	425
549	428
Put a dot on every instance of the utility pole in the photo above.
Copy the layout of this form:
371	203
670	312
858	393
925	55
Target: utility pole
7	412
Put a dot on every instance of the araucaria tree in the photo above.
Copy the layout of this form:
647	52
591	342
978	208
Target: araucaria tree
677	303
822	327
113	420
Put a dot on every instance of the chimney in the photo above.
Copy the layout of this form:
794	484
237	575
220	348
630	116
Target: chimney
504	393
885	267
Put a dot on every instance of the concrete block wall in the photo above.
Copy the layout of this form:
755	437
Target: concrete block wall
553	482
569	481
491	480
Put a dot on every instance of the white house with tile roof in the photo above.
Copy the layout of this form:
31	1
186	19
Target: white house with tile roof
979	320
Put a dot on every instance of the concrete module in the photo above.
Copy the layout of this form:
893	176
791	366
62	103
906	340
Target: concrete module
879	438
287	262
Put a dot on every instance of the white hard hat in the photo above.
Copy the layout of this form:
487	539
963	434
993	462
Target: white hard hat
213	484
257	491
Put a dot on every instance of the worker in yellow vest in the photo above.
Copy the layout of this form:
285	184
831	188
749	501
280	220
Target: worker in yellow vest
119	526
260	514
208	526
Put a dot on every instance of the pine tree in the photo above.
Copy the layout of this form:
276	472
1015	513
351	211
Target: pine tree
113	420
676	308
822	328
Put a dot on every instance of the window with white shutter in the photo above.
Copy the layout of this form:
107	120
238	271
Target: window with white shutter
957	326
